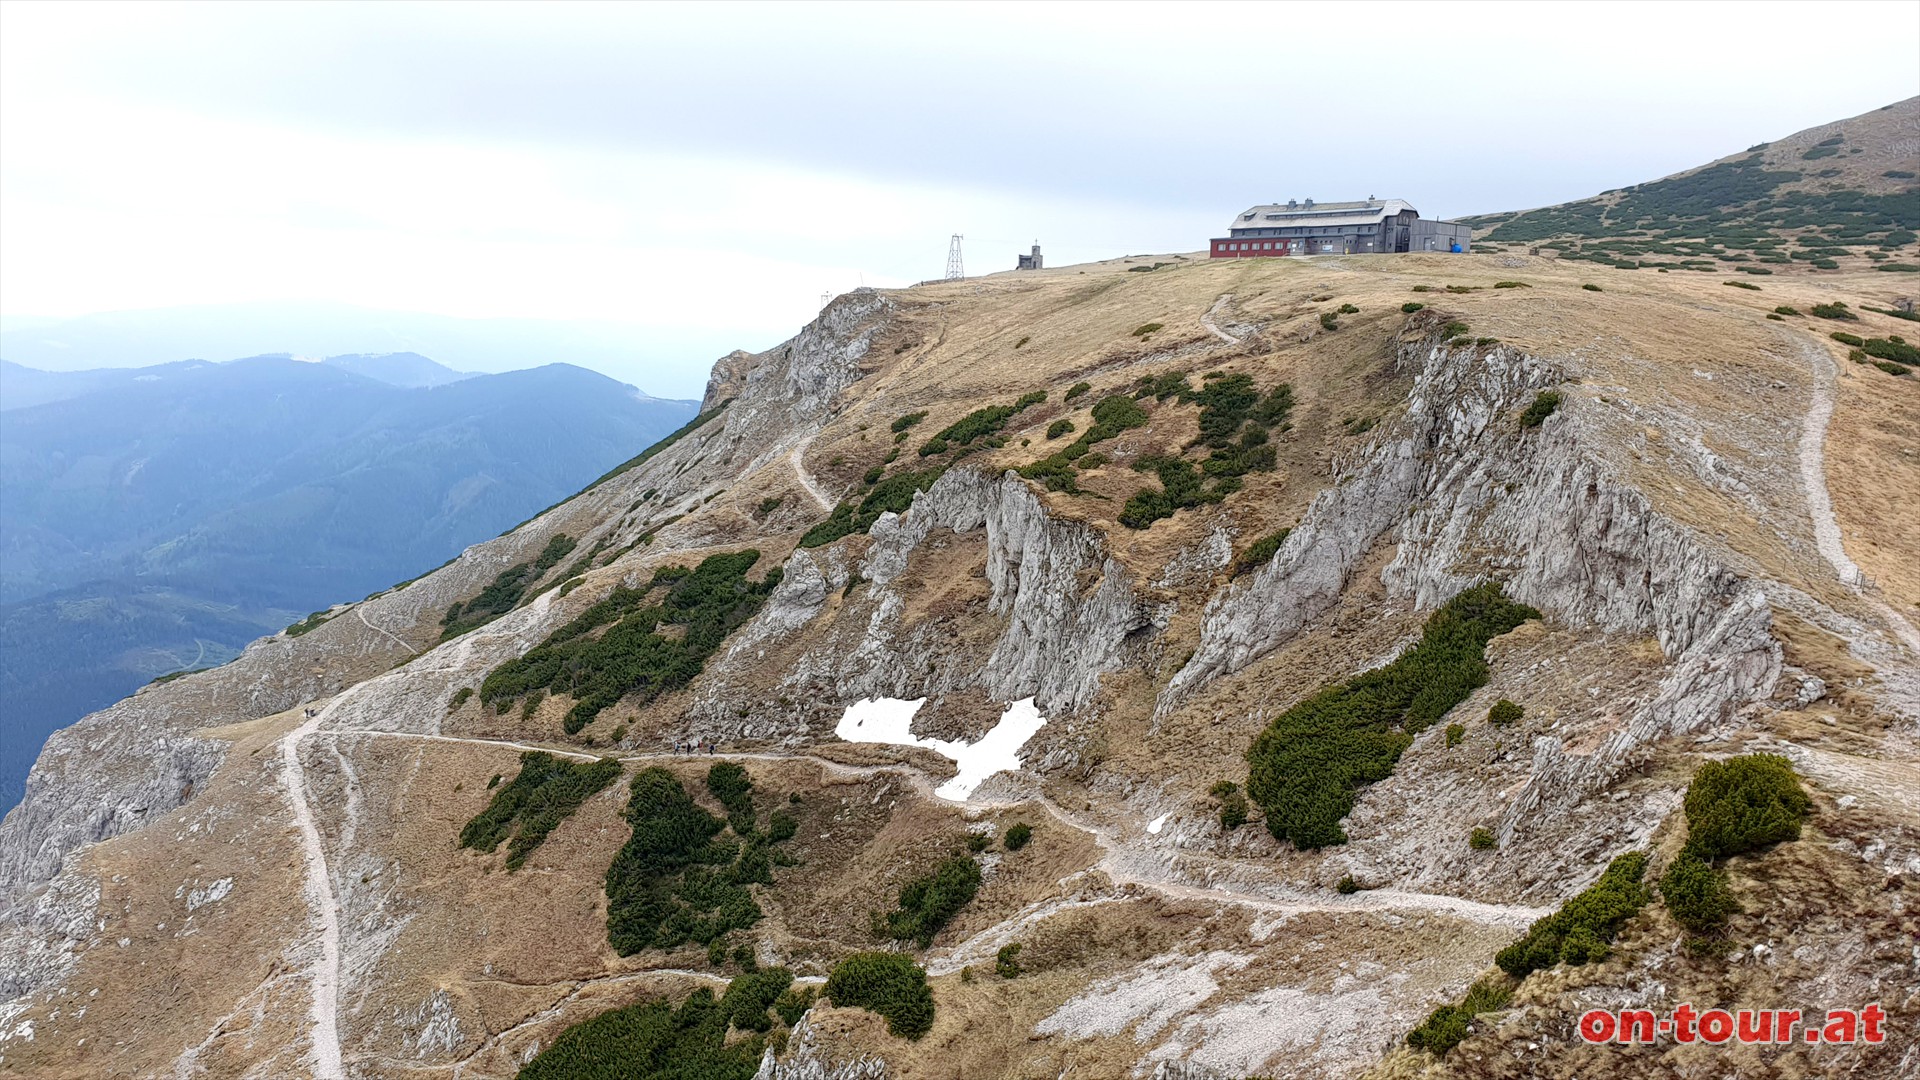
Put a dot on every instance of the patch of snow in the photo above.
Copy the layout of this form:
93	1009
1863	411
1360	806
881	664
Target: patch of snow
889	721
1158	823
1330	1030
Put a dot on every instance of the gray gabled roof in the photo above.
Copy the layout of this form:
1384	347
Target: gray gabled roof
1276	215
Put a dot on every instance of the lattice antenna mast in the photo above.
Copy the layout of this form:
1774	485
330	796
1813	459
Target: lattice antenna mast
954	270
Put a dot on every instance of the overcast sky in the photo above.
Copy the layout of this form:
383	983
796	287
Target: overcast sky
703	173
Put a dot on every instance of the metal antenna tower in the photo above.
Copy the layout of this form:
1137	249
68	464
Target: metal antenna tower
825	299
954	269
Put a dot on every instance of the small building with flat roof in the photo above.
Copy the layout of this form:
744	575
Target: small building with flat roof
1304	227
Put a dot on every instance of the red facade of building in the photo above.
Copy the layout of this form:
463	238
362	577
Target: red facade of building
1256	249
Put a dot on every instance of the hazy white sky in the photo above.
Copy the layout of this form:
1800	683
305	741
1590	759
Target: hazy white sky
708	171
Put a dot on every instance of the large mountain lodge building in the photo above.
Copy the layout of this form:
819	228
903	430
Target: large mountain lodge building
1342	228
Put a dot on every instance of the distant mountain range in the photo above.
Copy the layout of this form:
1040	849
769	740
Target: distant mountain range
672	359
158	518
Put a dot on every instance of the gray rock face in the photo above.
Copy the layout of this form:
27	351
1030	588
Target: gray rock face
1474	497
1067	607
807	1059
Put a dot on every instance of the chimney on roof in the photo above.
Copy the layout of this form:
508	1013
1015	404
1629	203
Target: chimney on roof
1309	204
1292	204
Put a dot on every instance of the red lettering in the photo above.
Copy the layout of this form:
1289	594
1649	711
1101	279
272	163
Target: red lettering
1716	1026
1870	1018
1597	1026
1636	1026
1683	1018
1784	1022
1842	1026
1756	1025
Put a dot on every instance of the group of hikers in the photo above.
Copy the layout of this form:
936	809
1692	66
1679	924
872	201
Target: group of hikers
697	747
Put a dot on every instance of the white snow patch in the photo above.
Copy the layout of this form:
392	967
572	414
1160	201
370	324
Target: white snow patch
890	721
1158	823
1163	988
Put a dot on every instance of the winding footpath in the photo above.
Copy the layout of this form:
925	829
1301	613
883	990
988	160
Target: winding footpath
364	621
797	458
324	1015
1813	477
1207	320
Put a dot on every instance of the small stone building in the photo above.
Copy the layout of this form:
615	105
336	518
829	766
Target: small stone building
1029	262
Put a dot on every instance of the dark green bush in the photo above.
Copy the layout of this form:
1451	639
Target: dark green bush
928	903
1146	328
1059	427
1482	839
1747	285
978	842
892	495
1742	803
1077	389
1544	403
1017	836
1505	713
547	790
1456	733
652	1040
1347	886
1592	288
979	424
1060	471
1835	310
902	423
1845	338
1890	367
1411	306
1347	309
1309	762
677	879
1448	1025
1006	962
1899	268
1455	328
1233	804
1261	553
506	590
1511	285
886	983
1580	931
1785	310
632	657
312	622
1328	321
1234	422
461	698
794	1004
1893	349
1697	895
728	782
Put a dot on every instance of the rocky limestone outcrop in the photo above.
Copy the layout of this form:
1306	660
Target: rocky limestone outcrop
727	379
1067	609
808	1058
1471	496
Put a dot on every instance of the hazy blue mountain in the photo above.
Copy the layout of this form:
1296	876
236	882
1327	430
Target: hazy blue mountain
670	360
398	368
21	387
160	518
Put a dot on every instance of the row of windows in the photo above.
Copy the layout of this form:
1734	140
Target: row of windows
1272	246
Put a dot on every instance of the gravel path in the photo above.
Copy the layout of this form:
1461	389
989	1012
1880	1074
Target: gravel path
798	459
1207	320
1813	477
360	611
324	1016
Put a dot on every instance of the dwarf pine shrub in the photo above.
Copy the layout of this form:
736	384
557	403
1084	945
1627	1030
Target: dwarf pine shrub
928	903
1580	932
1307	765
889	984
546	792
1017	836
